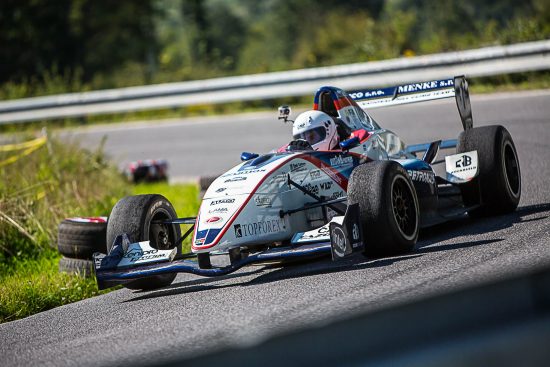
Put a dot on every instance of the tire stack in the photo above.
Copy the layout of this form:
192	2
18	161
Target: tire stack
78	239
204	184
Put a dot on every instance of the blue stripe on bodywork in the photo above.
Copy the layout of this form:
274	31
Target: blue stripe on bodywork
261	161
208	235
414	164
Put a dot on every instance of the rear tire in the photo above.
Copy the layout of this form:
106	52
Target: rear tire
499	181
388	207
133	215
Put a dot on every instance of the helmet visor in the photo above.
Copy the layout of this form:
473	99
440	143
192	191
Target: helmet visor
313	136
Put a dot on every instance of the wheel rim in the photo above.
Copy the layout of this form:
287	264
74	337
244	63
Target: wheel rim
404	208
161	236
511	169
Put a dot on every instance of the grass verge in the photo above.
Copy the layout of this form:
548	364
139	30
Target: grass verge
29	286
39	187
31	283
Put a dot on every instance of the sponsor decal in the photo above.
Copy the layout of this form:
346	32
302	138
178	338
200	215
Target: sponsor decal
279	178
338	239
315	174
221	189
199	241
464	161
367	94
422	176
222	201
297	167
244	173
331	174
463	170
326	185
235	179
320	232
418	87
264	201
213	220
259	228
340	161
314	189
461	167
218	210
336	195
155	206
136	255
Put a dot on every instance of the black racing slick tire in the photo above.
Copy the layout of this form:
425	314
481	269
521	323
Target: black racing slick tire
388	207
498	187
134	215
80	267
80	237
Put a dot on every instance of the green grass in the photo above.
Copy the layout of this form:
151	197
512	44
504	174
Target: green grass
30	286
31	283
37	190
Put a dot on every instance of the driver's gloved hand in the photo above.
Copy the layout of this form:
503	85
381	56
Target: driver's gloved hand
299	144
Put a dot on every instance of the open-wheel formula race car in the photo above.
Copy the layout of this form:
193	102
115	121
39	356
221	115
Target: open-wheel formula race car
371	195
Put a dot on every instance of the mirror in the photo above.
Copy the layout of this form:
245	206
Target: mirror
350	143
246	156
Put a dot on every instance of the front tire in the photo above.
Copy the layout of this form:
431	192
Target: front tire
388	207
499	182
134	215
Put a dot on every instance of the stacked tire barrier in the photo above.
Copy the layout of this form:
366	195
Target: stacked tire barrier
77	240
204	184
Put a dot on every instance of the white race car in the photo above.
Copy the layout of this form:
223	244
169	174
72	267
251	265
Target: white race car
371	195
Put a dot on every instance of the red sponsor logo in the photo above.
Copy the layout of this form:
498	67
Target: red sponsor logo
213	220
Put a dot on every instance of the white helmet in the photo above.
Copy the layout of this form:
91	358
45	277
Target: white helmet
317	128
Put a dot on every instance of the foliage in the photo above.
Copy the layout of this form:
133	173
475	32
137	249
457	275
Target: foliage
81	37
56	181
37	190
32	283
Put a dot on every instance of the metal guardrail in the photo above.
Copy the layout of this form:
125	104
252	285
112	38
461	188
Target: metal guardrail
487	61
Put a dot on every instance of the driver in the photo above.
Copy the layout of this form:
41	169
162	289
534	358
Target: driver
317	128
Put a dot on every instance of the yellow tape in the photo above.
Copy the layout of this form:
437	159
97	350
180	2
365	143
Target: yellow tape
26	152
25	145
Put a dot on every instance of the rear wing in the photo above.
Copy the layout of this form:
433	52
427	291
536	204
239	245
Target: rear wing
418	92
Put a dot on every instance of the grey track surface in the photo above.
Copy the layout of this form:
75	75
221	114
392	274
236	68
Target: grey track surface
196	315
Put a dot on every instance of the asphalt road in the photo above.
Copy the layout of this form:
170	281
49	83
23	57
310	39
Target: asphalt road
197	315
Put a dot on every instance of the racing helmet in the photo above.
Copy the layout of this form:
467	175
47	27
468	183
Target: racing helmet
317	128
